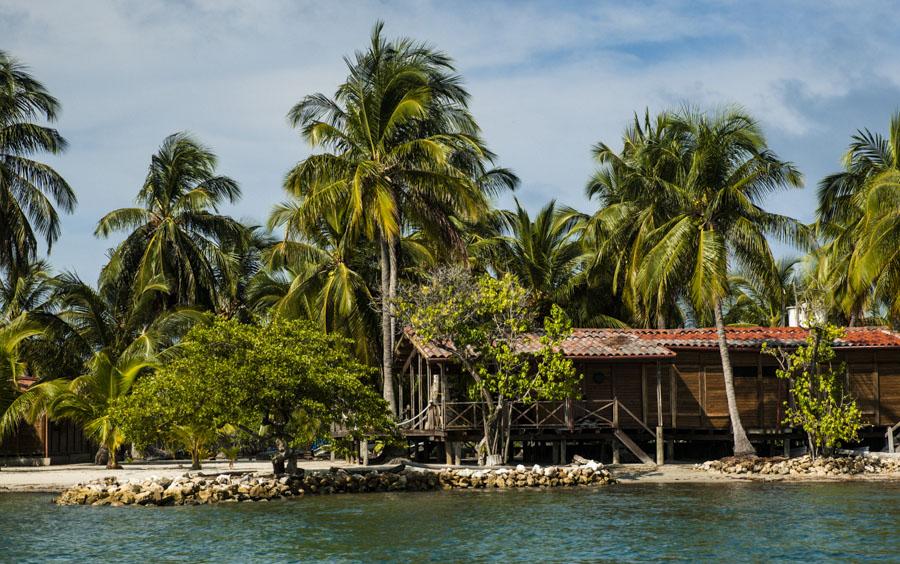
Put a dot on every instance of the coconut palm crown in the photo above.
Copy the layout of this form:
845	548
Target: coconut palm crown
715	219
30	191
399	149
176	235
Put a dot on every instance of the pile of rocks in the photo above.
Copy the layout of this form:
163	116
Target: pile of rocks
197	489
591	473
804	466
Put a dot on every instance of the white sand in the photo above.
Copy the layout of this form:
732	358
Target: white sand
670	473
58	478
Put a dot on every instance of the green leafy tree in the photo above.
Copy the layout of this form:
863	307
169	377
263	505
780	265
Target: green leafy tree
176	235
821	404
631	187
33	292
172	406
487	325
283	382
13	364
29	189
323	272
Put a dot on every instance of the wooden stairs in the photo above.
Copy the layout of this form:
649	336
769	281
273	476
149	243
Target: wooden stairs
632	446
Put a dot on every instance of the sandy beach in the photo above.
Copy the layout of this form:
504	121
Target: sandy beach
58	478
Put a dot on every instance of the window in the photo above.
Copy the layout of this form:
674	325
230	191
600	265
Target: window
770	371
599	377
744	371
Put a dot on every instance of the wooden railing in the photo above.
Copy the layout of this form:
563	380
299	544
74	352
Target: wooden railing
564	414
893	439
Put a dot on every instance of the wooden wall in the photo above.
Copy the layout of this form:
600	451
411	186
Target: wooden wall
693	384
57	439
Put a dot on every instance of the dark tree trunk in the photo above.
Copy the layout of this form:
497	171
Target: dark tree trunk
278	461
278	464
291	455
393	257
102	456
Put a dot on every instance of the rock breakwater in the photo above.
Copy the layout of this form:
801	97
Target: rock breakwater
591	473
199	489
805	466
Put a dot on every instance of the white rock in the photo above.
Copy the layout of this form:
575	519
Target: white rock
520	468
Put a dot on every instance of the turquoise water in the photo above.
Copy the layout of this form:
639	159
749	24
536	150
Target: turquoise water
633	522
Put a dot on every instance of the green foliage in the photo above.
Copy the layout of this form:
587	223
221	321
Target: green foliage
820	403
28	188
857	218
171	407
284	382
542	252
396	150
488	326
117	337
175	237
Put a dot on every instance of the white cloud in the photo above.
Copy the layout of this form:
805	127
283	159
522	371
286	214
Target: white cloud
548	81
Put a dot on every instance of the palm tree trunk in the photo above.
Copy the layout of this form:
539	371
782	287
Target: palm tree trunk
393	249
854	316
742	446
387	352
111	463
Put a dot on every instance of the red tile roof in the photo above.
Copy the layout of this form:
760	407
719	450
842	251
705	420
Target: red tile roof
582	343
658	343
754	337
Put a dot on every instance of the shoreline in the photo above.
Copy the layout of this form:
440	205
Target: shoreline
55	479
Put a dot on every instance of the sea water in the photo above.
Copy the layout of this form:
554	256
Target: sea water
626	522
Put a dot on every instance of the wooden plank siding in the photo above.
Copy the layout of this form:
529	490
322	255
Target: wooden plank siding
693	389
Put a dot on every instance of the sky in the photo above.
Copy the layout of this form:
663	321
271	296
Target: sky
548	81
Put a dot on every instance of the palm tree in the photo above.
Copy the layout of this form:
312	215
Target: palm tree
715	219
13	364
26	289
759	301
543	253
631	188
29	189
858	217
320	272
32	291
235	296
399	149
176	234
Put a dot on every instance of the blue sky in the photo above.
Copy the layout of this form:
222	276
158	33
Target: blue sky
548	80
